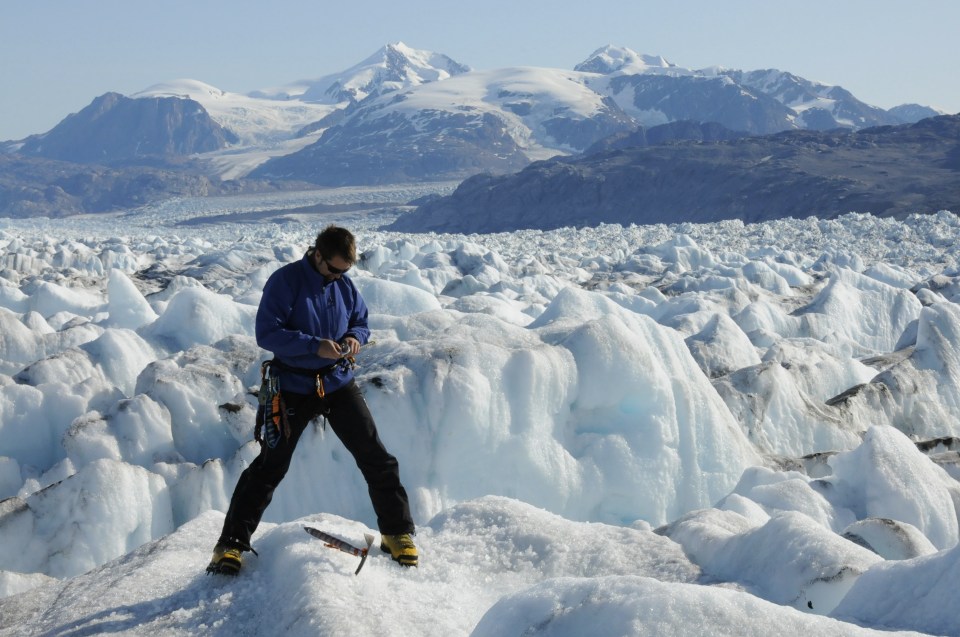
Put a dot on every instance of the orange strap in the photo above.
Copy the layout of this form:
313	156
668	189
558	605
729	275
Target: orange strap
277	409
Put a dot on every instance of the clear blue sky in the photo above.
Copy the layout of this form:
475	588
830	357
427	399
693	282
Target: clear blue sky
56	56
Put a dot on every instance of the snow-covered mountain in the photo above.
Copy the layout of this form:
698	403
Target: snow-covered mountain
264	128
618	60
254	120
907	113
484	121
723	429
653	91
394	67
495	121
817	106
406	114
707	95
114	129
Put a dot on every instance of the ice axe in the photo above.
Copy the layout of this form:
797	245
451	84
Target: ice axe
336	543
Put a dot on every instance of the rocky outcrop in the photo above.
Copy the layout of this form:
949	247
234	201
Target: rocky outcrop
681	131
912	113
115	129
31	186
887	171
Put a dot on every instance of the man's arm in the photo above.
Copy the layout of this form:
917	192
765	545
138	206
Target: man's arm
276	305
357	327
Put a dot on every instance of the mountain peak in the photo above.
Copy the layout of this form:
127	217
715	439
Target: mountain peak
911	113
402	49
183	88
395	66
621	60
114	128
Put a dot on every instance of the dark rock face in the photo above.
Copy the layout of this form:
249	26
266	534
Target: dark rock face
117	153
115	129
32	186
887	171
684	130
580	132
912	113
41	187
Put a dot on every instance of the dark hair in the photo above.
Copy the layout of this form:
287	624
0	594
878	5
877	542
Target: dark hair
335	241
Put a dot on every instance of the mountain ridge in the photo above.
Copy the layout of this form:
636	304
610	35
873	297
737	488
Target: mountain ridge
887	171
407	115
116	128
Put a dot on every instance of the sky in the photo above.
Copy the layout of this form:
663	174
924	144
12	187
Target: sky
57	56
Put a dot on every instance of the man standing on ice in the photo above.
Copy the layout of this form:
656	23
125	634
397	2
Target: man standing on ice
314	320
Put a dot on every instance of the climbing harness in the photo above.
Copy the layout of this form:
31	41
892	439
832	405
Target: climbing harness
346	363
272	419
272	411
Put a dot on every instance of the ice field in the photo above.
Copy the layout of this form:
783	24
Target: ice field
719	429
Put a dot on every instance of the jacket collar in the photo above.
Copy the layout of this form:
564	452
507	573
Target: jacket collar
313	273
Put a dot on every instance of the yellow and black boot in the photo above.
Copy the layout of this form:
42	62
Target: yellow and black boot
227	560
400	547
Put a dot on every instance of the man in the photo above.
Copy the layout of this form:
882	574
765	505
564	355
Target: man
314	320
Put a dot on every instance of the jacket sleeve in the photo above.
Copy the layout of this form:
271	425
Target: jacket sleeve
276	306
357	326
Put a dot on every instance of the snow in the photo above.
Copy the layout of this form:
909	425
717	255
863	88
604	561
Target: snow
419	85
524	97
623	61
395	66
721	429
266	127
255	120
880	599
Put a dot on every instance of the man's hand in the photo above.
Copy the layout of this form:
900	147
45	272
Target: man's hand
329	349
332	349
349	346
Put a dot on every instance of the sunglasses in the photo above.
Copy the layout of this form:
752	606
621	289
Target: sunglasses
335	270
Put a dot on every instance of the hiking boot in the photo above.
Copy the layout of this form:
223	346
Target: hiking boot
226	560
400	547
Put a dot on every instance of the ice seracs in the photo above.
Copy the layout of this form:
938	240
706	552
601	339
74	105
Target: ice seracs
639	411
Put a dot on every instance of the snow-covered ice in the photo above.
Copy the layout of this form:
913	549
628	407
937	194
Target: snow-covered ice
719	429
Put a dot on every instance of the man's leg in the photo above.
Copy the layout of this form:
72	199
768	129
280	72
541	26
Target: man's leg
351	420
254	490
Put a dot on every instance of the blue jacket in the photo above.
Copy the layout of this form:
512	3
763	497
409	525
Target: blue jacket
299	307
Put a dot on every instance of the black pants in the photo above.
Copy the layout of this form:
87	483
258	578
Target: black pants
351	420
